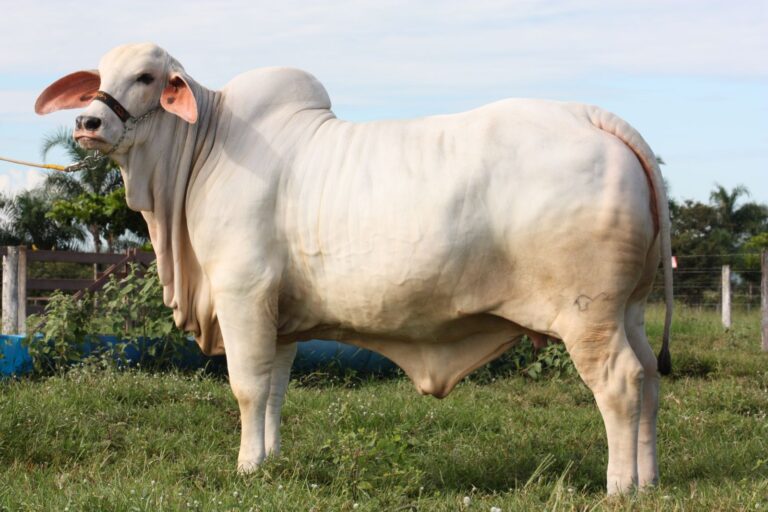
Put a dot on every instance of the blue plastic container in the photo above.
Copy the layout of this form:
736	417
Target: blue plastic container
14	357
323	353
311	355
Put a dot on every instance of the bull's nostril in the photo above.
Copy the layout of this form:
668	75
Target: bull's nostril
79	122
92	123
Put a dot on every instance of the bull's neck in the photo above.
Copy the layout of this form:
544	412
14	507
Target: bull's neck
160	168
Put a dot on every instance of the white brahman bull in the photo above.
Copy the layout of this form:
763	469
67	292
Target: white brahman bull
437	242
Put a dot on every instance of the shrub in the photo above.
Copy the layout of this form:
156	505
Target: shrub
551	361
131	309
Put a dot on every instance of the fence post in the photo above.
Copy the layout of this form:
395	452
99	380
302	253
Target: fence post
10	304
764	298
726	296
21	316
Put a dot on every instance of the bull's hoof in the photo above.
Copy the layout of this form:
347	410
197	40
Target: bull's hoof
648	484
618	485
247	467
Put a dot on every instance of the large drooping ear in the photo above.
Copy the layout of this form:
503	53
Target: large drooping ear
72	91
177	98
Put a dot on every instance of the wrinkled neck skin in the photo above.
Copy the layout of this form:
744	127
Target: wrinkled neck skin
158	169
168	151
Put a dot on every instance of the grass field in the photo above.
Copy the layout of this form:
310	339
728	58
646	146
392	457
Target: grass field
103	439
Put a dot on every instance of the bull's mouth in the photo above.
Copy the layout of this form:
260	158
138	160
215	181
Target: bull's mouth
90	142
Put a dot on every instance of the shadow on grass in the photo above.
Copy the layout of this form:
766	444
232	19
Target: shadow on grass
693	366
493	474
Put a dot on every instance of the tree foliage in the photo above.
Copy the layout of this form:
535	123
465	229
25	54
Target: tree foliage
24	220
93	198
705	236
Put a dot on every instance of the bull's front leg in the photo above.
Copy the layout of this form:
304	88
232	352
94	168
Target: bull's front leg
248	328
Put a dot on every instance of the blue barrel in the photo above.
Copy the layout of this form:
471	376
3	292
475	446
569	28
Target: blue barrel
323	353
311	355
14	356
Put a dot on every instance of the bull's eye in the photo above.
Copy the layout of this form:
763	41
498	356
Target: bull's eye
145	78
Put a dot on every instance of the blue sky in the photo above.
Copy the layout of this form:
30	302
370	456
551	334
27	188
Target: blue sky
691	76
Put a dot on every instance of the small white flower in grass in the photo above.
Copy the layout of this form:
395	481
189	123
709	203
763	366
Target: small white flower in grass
571	490
467	501
313	486
280	487
495	509
235	494
355	506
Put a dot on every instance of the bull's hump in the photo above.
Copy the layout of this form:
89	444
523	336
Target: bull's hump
277	86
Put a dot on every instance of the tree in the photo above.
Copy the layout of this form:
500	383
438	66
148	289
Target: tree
94	198
706	236
24	221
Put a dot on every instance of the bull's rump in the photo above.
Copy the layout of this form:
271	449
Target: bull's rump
402	227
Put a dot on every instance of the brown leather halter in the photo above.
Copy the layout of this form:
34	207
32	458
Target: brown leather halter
114	105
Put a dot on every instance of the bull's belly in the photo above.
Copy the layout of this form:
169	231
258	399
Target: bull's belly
436	357
436	321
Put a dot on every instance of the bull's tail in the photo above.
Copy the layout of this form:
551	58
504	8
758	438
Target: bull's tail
621	129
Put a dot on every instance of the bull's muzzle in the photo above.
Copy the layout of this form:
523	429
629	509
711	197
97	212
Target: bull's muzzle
88	123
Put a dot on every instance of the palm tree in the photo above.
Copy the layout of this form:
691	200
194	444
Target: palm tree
725	205
24	221
98	181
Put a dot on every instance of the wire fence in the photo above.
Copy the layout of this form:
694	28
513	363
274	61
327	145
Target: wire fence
698	281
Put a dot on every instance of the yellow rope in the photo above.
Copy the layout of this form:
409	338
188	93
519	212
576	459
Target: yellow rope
30	164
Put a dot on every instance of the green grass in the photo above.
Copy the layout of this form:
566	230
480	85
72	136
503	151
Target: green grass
102	439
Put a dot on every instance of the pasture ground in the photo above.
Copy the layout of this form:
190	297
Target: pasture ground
102	439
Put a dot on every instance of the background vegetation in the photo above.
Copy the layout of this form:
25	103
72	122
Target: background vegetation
72	211
729	230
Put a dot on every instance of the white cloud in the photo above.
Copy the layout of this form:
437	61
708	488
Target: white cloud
13	181
383	40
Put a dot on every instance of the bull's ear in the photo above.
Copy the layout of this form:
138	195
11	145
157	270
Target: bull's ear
177	98
72	91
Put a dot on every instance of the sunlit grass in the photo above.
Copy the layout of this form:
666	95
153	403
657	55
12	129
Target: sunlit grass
102	439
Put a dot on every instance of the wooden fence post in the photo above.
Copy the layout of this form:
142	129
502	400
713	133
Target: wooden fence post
764	298
21	311
10	290
726	296
14	300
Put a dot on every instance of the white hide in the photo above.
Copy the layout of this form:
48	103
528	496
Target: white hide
437	242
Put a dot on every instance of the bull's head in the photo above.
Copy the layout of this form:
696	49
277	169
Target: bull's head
131	81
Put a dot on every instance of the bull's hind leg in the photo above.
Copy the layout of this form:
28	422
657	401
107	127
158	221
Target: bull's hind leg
606	362
634	320
647	467
281	373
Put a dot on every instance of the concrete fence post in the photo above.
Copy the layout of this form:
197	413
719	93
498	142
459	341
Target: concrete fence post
726	296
